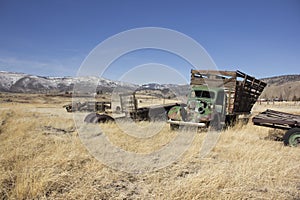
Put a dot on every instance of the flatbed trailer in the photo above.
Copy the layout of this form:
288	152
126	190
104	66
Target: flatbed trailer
281	120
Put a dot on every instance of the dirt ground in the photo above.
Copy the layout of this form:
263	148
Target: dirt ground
43	157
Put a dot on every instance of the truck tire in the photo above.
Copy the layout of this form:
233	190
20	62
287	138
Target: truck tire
69	108
231	120
102	119
89	117
292	137
97	118
174	127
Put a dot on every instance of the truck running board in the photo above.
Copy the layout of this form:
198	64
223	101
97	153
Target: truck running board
202	125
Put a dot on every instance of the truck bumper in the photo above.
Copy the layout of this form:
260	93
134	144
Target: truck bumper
202	125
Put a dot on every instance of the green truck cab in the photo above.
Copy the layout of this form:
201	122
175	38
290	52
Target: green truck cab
204	105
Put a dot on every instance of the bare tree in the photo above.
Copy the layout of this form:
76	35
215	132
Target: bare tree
287	92
294	98
164	92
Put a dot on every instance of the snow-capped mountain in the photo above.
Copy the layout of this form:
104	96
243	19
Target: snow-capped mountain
152	86
7	79
25	83
20	82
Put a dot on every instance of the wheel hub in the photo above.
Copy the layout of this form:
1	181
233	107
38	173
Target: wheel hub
295	140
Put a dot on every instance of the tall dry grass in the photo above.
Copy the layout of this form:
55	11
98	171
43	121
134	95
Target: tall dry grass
42	157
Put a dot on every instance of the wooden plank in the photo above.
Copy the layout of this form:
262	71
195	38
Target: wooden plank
209	82
214	83
214	72
274	121
250	78
230	80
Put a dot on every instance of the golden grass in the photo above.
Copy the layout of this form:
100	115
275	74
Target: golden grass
42	157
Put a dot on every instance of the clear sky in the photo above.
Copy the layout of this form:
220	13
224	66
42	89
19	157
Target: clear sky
52	38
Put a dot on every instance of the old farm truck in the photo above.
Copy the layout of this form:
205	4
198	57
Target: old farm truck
216	98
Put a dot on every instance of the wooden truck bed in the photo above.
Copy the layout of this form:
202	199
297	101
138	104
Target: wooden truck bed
241	89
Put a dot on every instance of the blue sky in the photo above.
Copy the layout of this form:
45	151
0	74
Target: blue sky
52	38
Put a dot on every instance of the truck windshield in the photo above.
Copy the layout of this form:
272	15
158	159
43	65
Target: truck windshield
202	94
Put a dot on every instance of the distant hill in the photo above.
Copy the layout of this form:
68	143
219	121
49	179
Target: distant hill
278	80
286	87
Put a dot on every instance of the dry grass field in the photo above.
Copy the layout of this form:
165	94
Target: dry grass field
42	157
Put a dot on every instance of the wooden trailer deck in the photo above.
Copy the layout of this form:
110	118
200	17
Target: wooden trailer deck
276	119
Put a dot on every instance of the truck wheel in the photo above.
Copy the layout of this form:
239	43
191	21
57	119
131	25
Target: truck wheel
96	118
102	119
230	120
292	137
174	127
89	117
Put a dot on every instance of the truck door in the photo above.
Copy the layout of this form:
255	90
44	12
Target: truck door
220	103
